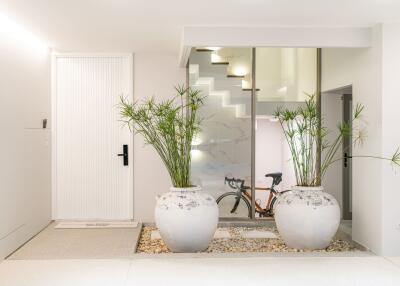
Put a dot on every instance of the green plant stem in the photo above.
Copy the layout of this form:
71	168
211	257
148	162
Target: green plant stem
169	127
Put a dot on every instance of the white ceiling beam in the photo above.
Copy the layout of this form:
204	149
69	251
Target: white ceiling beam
300	37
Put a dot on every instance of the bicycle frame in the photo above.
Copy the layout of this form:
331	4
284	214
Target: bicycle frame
238	184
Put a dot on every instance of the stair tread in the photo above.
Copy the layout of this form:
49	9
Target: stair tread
204	50
220	63
250	89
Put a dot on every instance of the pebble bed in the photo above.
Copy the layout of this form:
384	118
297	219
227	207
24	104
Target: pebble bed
239	244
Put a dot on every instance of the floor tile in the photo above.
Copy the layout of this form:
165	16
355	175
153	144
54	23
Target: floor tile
64	272
155	234
343	271
220	233
80	244
258	234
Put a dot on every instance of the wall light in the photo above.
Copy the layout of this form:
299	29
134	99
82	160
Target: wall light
282	89
213	48
195	154
12	29
246	83
196	141
215	58
240	70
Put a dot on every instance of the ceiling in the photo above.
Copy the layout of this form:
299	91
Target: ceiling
152	25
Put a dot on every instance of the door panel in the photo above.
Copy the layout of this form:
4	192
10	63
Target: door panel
90	179
347	164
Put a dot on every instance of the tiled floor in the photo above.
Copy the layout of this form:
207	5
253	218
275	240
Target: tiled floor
98	243
310	271
106	243
38	263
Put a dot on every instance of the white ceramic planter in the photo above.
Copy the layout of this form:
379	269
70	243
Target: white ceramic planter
307	217
187	219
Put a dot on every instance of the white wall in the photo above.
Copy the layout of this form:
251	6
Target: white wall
390	137
25	168
155	74
362	69
332	114
269	148
269	143
272	155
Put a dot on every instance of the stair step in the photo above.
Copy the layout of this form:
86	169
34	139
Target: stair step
250	89
235	76
204	50
220	63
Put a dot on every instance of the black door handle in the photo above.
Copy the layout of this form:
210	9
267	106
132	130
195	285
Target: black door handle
346	157
124	154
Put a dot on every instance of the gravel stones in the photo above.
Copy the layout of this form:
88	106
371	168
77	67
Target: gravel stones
238	243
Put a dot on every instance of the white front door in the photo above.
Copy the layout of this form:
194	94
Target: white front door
90	180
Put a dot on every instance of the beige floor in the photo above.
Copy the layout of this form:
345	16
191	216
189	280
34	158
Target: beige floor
310	271
54	243
105	257
112	243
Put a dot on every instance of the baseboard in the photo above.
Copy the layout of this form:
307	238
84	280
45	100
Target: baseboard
95	224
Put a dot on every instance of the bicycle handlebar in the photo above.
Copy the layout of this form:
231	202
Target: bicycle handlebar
238	184
234	183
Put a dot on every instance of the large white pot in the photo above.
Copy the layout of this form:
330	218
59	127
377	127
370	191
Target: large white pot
187	219
307	217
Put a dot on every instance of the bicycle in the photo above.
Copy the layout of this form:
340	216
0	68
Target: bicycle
238	203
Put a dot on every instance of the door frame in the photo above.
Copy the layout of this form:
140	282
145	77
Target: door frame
53	98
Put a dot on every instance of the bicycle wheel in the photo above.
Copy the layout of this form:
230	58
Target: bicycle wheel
226	204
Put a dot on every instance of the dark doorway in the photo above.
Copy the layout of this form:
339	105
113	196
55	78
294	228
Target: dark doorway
347	153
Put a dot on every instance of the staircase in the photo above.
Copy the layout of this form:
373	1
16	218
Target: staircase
219	97
223	143
212	75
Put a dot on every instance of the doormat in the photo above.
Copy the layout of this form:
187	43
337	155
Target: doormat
96	224
239	239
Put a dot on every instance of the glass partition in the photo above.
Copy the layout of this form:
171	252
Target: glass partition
285	74
284	77
222	150
223	146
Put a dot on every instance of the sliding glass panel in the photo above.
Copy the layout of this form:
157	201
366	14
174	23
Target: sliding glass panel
284	77
221	151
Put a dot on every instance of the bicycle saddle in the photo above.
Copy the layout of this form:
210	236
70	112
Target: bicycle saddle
276	177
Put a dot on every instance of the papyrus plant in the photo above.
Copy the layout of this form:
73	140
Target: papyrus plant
303	132
169	126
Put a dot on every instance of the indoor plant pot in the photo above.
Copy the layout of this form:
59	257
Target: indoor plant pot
186	217
307	217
